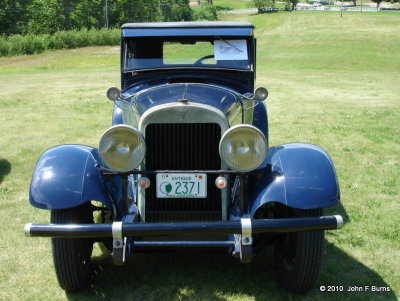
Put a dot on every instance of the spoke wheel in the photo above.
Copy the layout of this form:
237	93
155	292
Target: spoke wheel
298	254
72	256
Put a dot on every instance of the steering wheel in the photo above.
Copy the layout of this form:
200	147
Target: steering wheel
200	60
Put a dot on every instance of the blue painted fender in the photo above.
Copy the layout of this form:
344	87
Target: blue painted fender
260	118
117	115
65	176
298	175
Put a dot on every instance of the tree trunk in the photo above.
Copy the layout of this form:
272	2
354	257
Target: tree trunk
67	14
14	6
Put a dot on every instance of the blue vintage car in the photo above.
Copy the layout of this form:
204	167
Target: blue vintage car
186	163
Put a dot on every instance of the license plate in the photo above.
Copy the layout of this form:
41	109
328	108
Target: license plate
181	185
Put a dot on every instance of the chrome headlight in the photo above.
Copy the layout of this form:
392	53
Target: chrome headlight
243	147
122	147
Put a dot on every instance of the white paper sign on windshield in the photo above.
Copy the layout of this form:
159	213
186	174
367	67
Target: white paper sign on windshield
230	50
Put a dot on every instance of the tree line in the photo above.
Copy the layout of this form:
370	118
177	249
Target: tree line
50	16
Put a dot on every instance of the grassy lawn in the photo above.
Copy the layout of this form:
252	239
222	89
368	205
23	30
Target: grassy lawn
332	81
232	4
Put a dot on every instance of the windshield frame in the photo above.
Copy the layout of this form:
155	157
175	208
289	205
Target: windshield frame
127	44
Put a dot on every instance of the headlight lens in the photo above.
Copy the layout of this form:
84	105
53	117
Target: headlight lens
243	147
122	148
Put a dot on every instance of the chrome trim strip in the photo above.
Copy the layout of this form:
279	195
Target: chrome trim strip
27	229
339	221
246	226
246	231
190	112
117	234
119	244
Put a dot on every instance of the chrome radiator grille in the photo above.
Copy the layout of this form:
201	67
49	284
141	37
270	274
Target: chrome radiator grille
183	146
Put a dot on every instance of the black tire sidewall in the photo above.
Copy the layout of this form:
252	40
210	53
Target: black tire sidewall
72	256
298	255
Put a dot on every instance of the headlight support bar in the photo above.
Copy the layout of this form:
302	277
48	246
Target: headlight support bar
109	171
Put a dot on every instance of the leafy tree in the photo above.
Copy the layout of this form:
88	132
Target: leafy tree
294	3
176	10
45	17
204	13
262	5
50	16
181	11
67	9
122	11
378	2
89	14
13	16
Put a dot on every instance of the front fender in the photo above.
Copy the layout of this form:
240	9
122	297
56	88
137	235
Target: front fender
298	175
65	176
117	115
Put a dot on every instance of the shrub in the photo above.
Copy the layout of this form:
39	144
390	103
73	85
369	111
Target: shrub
16	44
4	46
101	38
31	44
65	39
82	38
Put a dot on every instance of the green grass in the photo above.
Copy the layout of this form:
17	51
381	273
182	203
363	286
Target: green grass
231	4
332	81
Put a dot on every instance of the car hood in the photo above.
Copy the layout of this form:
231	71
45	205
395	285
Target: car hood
217	96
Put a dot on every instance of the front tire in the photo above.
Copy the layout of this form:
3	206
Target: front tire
298	254
72	256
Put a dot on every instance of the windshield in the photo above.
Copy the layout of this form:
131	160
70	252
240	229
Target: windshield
198	52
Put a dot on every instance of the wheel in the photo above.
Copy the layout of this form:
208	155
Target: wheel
72	256
298	254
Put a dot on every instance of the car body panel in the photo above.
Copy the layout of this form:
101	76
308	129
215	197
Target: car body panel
117	115
260	118
65	176
239	81
221	98
298	175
